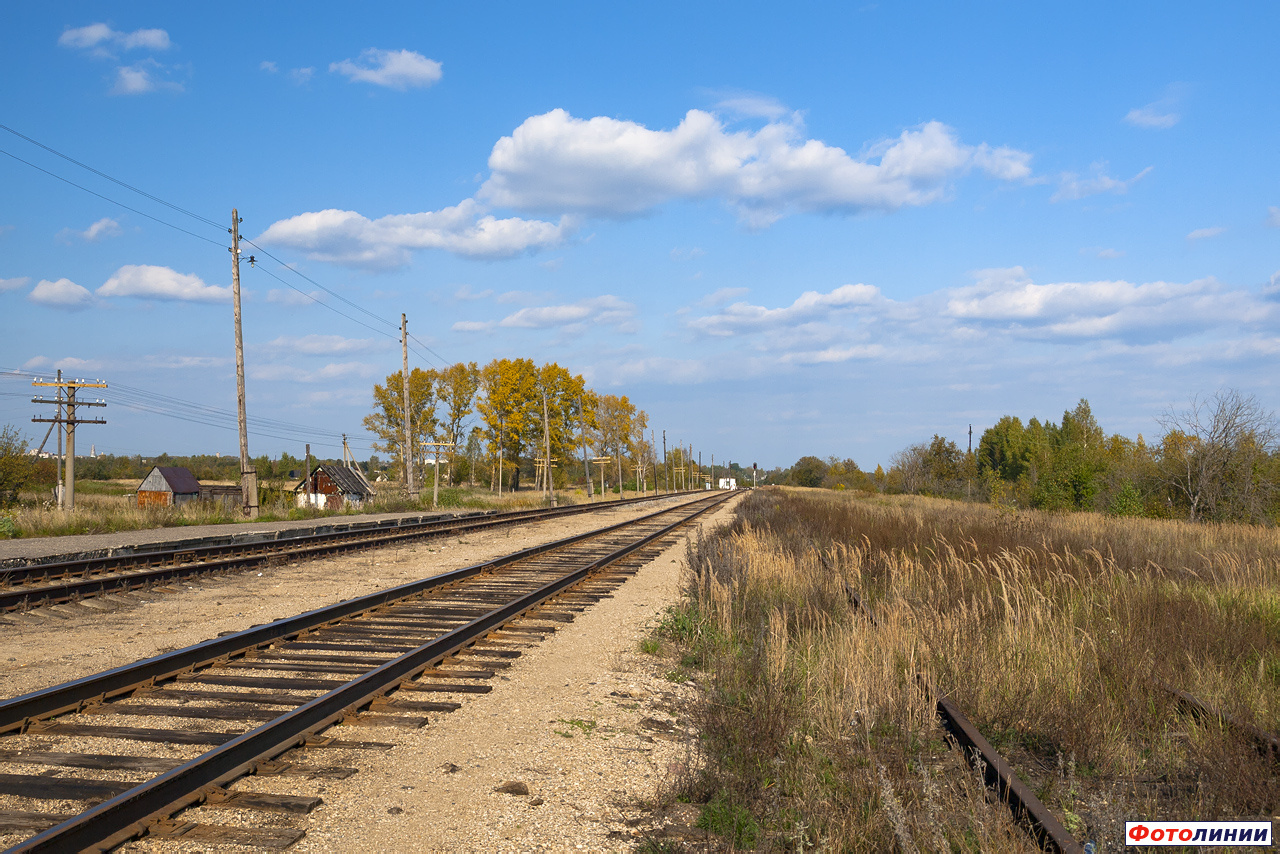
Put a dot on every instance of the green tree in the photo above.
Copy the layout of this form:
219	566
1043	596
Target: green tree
456	389
1001	449
386	422
16	465
808	471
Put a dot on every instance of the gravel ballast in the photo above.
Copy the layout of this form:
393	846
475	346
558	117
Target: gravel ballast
580	732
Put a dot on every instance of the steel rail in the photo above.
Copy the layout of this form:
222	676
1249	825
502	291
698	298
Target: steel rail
129	813
1263	739
19	712
199	560
997	773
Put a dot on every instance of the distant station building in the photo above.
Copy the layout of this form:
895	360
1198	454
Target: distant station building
331	486
728	483
168	486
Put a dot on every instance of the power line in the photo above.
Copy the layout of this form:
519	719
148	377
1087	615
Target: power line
337	311
207	221
327	290
109	199
101	174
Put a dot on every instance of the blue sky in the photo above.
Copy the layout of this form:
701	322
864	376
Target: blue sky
820	228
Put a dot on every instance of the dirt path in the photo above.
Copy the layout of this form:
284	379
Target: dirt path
583	720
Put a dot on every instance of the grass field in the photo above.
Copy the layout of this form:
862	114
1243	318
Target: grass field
1053	633
107	506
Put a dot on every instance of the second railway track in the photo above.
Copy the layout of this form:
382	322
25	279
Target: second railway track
83	754
59	580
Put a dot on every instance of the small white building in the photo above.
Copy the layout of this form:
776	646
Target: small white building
728	483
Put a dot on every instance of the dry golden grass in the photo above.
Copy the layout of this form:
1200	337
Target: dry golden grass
97	514
1052	632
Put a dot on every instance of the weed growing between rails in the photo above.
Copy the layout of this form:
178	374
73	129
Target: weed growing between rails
1052	634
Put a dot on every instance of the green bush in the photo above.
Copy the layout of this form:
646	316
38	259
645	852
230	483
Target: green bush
727	818
1126	502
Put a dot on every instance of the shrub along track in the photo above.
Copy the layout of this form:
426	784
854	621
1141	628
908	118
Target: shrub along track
276	687
50	582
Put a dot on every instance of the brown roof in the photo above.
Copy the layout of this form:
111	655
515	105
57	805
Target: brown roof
349	481
180	480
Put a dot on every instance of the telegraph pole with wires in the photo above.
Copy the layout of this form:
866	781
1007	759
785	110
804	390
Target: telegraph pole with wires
408	440
248	474
435	489
66	399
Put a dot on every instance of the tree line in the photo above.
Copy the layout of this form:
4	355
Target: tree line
499	424
1218	460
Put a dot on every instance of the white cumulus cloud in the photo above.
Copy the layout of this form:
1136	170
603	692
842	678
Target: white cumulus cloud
138	78
808	307
1074	186
100	36
1155	115
103	228
62	293
472	326
346	237
1204	233
606	310
1009	298
394	69
147	281
141	78
14	284
612	167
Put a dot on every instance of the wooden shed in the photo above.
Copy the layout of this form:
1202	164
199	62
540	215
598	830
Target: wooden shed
331	486
168	486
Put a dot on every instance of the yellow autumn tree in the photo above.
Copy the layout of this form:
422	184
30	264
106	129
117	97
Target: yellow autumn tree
456	390
506	407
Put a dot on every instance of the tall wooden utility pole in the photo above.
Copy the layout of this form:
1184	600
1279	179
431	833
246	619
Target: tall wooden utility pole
408	441
248	474
70	421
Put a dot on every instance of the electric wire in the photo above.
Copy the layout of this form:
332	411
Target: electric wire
155	403
101	174
210	222
317	284
111	200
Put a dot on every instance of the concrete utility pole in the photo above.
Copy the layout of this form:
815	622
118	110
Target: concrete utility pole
70	421
408	441
248	474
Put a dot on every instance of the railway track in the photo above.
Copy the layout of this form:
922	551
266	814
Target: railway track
94	762
998	775
50	582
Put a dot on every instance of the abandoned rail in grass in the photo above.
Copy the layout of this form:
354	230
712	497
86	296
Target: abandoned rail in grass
52	582
411	638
